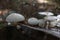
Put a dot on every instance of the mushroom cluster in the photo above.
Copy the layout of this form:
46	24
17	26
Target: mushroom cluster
49	17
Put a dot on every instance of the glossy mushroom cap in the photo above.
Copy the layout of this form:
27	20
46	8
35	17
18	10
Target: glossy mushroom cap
15	17
33	21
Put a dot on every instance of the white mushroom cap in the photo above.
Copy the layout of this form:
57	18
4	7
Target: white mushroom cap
53	23
46	13
50	18
41	22
9	23
58	16
33	21
58	24
15	17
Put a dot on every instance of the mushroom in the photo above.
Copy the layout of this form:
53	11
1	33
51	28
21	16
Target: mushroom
33	21
58	20
41	22
52	20
46	13
15	17
47	18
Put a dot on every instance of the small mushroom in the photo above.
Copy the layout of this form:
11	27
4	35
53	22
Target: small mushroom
33	21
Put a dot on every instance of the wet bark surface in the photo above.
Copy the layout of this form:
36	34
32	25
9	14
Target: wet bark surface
15	34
